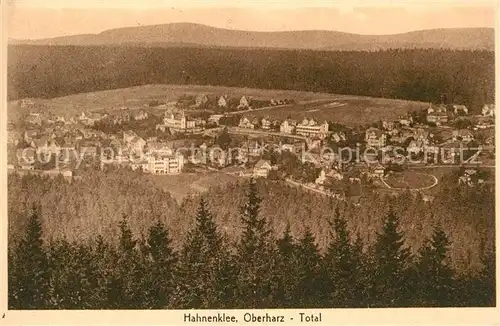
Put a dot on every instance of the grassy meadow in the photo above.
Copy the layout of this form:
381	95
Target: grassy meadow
345	109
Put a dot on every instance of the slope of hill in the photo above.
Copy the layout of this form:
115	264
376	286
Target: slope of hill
465	77
195	34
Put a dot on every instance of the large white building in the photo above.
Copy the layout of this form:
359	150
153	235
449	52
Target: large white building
375	137
167	164
160	164
178	122
288	126
310	128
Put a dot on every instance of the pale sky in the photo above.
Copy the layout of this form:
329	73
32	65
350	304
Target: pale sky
30	19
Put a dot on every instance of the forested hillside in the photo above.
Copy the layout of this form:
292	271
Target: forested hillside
465	77
257	270
95	204
189	34
90	206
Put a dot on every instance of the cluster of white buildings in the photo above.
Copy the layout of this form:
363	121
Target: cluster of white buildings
307	127
150	157
159	164
222	101
440	114
311	128
178	122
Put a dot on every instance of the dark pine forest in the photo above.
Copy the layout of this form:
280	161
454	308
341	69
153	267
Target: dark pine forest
149	253
431	75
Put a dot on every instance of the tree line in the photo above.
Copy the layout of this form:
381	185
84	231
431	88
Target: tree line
94	202
258	270
430	75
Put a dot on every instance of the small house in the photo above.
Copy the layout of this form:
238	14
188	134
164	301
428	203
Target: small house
460	110
375	137
463	135
266	123
222	102
262	168
200	100
488	110
243	103
246	123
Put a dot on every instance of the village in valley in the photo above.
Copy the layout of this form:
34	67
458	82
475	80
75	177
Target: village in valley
240	137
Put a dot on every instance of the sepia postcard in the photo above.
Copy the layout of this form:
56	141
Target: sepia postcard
217	162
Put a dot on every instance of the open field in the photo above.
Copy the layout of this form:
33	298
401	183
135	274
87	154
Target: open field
143	95
438	172
346	109
411	180
350	111
185	184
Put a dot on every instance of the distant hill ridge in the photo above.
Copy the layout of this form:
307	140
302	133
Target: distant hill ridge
190	34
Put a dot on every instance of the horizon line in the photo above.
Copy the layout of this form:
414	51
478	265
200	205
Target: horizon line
249	31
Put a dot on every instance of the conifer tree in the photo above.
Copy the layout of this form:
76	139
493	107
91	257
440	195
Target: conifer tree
345	266
392	260
285	271
12	300
30	270
311	289
223	139
487	279
478	289
160	264
204	267
127	285
103	262
361	261
225	276
435	277
254	254
72	277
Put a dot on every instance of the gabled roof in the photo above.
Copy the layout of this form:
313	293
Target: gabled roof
415	143
333	172
290	121
460	107
137	139
32	132
201	97
138	112
42	141
262	164
68	144
95	116
375	131
54	142
158	146
129	133
33	120
462	132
